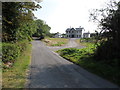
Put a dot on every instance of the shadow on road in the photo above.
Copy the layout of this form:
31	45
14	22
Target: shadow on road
65	76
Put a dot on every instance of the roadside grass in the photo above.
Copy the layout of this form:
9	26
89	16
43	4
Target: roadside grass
16	76
78	41
55	41
84	58
86	43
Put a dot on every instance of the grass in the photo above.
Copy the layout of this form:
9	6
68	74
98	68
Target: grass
84	58
55	41
85	43
15	77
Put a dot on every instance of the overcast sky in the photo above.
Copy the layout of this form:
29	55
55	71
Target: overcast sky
61	14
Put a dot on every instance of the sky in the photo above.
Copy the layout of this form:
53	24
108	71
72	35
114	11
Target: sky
63	14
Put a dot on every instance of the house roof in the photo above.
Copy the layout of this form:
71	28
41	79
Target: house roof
68	29
72	29
77	29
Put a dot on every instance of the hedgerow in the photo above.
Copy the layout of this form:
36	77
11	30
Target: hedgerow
11	51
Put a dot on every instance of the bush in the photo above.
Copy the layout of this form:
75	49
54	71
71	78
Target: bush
22	45
109	52
68	51
10	52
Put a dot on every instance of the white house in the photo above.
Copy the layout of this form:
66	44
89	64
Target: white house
74	32
86	35
77	33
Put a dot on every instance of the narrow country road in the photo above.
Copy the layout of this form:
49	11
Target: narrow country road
49	70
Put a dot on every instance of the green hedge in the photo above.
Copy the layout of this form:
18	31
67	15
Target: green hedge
22	45
10	51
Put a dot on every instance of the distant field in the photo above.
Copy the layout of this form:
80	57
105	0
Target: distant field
55	41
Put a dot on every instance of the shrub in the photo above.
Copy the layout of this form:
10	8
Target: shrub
68	51
22	45
108	52
10	52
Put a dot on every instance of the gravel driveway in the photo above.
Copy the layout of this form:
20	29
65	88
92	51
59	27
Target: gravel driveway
71	44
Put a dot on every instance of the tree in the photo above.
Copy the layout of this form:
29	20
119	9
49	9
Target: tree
109	35
17	15
26	31
42	29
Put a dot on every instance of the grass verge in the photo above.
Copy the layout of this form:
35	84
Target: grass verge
84	58
55	41
15	77
84	43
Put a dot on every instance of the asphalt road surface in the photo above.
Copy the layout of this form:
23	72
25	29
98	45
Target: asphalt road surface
49	70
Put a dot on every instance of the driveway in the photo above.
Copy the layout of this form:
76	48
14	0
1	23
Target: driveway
71	44
49	70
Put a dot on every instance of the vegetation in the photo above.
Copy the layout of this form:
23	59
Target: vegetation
43	29
104	58
109	36
15	77
55	41
18	21
87	42
11	51
19	25
85	58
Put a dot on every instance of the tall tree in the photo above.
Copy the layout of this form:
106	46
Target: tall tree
16	15
42	29
109	48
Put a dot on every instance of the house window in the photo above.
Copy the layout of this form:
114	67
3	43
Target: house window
69	35
79	35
